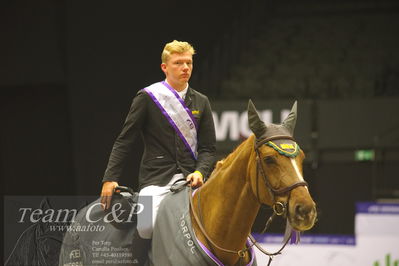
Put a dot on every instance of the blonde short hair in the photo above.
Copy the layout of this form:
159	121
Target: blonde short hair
176	47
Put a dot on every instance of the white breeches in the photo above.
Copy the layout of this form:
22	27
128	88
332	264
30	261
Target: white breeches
145	227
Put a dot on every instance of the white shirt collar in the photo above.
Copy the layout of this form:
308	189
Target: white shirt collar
182	93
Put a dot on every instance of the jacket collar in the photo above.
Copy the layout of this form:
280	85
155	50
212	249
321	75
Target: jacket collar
189	97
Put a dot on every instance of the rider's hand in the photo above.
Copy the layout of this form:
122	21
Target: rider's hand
106	194
196	179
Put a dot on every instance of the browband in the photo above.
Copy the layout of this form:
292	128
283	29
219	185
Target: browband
265	140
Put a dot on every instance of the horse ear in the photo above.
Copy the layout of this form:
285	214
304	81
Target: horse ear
255	123
45	204
290	121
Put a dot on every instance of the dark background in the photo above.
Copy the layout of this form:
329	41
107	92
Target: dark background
69	69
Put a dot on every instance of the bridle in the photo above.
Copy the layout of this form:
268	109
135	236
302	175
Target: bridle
279	208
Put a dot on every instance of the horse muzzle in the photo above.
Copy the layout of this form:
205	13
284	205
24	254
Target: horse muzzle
302	215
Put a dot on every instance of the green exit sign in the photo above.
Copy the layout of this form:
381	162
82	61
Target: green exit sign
364	155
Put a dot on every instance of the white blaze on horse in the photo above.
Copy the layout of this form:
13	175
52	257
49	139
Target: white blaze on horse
265	169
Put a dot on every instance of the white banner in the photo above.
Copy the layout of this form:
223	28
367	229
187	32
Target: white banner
376	242
368	251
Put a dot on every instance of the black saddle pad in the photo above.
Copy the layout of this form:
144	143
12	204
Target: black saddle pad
95	239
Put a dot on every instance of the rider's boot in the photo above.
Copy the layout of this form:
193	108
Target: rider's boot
140	247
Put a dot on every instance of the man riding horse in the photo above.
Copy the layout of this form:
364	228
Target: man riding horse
177	128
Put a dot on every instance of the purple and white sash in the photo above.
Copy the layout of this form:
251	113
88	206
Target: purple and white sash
176	112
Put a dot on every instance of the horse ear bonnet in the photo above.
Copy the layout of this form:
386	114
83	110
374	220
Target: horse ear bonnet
285	147
257	126
290	121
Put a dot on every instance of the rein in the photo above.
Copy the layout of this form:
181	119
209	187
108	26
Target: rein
279	208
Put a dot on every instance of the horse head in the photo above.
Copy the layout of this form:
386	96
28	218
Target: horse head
277	180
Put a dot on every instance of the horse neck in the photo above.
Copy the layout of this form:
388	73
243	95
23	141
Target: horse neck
228	205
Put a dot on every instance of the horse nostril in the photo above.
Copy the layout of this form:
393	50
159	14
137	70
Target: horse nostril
299	210
302	210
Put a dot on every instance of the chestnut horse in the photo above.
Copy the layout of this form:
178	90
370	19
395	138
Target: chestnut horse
264	169
214	229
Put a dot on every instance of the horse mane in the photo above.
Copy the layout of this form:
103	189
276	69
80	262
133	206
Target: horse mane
227	161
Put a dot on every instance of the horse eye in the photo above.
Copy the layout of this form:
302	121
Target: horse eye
269	159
